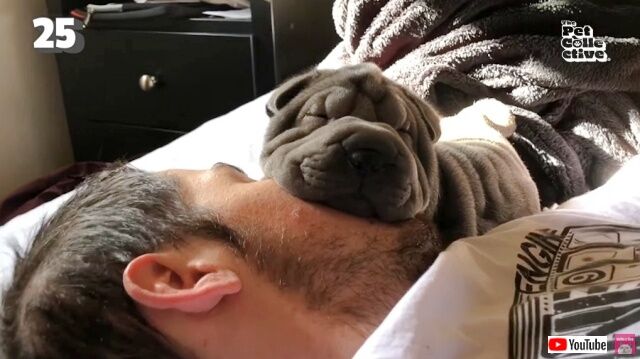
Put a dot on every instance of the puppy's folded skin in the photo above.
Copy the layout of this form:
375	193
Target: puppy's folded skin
358	142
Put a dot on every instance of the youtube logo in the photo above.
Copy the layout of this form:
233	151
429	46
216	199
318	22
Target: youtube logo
556	344
576	344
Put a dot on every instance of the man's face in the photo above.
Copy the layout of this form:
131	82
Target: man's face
310	276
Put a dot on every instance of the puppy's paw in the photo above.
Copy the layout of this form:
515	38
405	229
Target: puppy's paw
497	115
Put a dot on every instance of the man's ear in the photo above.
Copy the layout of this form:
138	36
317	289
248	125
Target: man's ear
284	93
169	280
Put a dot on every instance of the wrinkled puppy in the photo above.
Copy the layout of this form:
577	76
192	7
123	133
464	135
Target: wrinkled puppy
358	142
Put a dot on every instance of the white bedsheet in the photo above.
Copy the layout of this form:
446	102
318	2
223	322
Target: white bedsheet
235	138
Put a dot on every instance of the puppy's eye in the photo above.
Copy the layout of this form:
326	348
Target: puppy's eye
313	120
316	114
404	131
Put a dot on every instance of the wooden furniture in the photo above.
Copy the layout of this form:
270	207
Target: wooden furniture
134	88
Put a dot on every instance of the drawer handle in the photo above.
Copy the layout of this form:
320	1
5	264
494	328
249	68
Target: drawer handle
147	82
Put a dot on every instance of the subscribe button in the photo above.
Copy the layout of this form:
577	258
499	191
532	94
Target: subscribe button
577	344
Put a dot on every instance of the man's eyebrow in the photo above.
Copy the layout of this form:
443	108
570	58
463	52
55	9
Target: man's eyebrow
209	224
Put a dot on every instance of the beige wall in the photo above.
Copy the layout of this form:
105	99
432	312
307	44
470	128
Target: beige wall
34	138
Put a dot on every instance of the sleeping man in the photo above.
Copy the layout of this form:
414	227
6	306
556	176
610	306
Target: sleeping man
212	264
215	265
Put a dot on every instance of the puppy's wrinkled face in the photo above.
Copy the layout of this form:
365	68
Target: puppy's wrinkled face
353	140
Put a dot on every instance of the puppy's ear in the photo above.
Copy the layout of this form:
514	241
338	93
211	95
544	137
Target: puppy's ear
427	113
286	92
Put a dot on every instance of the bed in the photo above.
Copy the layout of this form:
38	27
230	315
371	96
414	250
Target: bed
453	311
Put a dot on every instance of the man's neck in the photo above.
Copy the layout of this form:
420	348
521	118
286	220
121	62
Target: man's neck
329	337
333	335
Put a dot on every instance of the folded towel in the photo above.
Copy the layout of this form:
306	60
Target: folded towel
576	121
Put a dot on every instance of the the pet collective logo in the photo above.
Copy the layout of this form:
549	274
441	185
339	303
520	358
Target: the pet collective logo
577	344
580	45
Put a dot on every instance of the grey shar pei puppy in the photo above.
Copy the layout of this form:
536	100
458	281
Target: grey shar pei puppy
358	142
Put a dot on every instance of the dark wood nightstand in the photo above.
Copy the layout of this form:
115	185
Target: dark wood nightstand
132	90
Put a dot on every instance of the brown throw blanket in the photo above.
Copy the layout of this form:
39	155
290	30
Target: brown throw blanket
46	188
576	121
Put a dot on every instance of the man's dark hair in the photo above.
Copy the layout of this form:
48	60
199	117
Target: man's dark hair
67	299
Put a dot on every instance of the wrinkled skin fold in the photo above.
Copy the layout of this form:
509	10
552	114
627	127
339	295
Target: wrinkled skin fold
358	142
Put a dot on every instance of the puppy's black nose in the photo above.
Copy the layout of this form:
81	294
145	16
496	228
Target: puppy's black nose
367	161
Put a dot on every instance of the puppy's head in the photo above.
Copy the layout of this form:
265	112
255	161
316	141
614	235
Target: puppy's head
355	141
